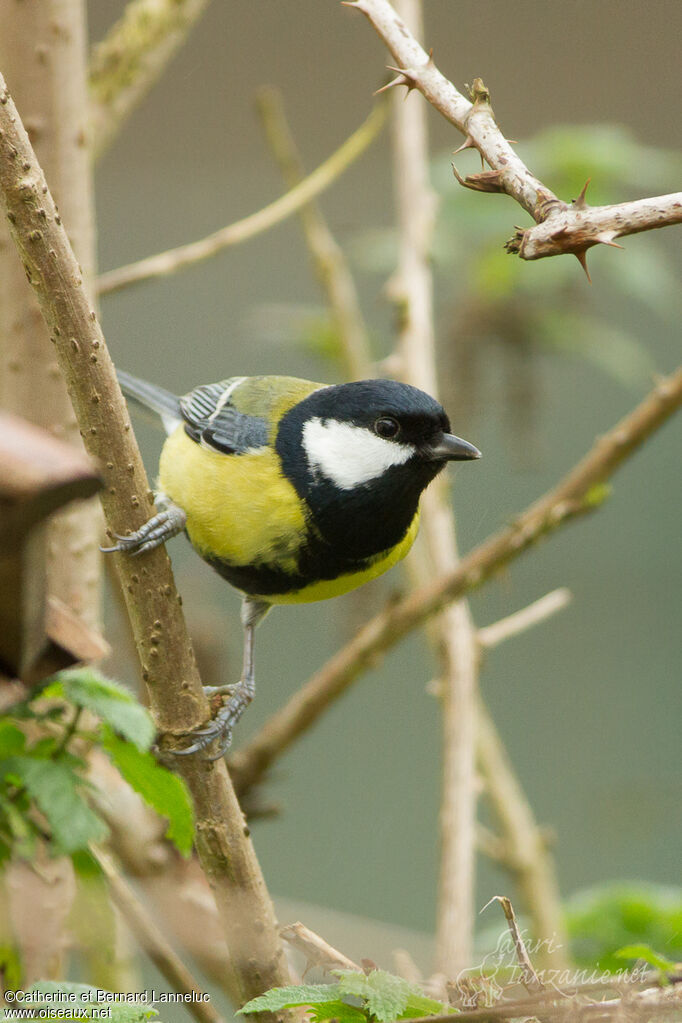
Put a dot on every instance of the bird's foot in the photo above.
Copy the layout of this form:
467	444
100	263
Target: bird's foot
161	527
221	726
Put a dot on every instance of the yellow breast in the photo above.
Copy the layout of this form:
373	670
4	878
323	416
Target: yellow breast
239	507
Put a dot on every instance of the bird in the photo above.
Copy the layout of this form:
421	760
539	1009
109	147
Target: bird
293	491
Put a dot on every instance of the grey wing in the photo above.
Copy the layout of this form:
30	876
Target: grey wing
212	421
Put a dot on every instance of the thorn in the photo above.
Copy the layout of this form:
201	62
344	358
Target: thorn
467	144
580	201
458	176
582	259
400	80
512	142
408	74
487	181
606	238
430	61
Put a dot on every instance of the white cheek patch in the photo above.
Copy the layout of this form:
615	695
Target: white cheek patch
350	455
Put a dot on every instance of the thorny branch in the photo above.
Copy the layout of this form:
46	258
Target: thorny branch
579	491
561	227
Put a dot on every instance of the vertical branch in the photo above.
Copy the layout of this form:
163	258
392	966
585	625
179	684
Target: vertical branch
329	261
168	666
412	291
42	52
526	854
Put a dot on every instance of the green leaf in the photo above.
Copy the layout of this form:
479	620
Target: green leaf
648	954
161	789
109	700
386	995
54	787
12	740
603	919
296	994
420	1005
341	1011
21	829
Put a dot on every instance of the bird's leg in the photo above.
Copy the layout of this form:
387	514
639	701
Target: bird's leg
240	695
168	522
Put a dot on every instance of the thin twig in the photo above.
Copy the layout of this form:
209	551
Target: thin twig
529	977
169	262
330	264
163	645
129	60
520	621
578	492
154	943
317	951
566	227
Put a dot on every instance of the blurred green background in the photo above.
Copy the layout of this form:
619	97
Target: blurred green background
535	364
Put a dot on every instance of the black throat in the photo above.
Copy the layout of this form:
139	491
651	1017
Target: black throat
358	523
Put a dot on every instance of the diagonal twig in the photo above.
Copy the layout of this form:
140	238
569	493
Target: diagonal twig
128	61
169	262
154	943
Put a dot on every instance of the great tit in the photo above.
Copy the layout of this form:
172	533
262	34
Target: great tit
293	491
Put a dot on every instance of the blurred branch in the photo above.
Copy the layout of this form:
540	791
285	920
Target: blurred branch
454	635
163	645
566	227
127	62
646	999
529	977
523	849
154	943
317	951
580	491
330	263
326	174
513	625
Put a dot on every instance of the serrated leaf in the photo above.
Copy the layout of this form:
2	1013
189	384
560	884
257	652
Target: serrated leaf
55	789
109	700
386	995
648	955
161	789
286	997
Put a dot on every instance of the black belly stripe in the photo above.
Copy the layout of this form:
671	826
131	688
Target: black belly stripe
317	562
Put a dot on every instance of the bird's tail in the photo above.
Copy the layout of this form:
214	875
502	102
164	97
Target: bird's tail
152	397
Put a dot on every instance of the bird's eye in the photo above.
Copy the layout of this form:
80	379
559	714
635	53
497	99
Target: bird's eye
387	427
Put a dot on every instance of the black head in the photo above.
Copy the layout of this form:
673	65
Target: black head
360	454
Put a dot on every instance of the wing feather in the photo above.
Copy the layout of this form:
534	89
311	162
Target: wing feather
212	421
